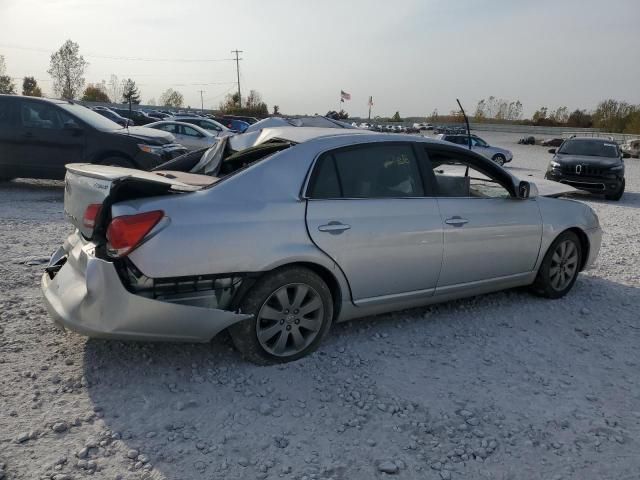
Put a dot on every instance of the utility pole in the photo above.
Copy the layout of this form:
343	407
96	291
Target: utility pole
238	52
201	101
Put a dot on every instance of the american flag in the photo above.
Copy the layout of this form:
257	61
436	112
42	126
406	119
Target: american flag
344	96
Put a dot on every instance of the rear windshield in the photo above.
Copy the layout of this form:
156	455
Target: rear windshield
589	148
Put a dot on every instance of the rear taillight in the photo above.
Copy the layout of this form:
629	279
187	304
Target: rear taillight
126	232
91	214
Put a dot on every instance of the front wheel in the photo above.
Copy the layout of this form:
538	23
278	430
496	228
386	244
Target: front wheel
559	269
292	310
499	159
618	195
116	162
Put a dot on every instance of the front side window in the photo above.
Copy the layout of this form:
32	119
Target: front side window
457	177
372	171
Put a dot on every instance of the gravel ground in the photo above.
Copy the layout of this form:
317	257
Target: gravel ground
503	386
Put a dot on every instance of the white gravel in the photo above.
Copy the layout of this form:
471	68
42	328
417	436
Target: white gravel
503	386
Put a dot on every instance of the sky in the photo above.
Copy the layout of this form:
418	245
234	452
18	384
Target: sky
412	56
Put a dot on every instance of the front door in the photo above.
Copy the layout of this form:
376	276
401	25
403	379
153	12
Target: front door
488	233
49	139
367	209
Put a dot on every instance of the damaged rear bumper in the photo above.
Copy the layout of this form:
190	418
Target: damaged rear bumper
85	294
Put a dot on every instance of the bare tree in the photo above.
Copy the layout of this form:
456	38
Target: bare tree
114	89
6	84
171	98
67	68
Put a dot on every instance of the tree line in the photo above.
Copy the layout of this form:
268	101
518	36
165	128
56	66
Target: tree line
610	115
67	69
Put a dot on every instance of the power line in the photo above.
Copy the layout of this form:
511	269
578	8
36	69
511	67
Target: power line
238	52
132	59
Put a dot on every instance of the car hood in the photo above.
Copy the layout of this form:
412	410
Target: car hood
549	188
572	160
147	135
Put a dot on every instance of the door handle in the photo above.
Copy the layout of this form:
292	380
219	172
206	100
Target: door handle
456	221
334	227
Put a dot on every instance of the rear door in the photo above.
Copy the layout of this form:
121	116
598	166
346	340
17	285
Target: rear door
369	209
49	138
9	132
488	233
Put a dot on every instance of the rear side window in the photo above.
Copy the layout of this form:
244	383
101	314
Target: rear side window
6	113
372	171
42	115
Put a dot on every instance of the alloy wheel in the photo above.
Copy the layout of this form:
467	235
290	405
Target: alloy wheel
289	320
564	265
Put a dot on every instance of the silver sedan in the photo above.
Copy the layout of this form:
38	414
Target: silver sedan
191	136
294	229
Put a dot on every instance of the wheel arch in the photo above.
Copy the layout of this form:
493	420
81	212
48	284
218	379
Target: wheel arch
584	244
113	153
322	271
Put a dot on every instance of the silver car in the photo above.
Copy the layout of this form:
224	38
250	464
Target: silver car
497	154
191	136
294	229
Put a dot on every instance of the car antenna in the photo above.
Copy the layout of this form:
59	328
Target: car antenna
466	121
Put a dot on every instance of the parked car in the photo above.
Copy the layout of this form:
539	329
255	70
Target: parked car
113	116
211	125
497	154
422	126
137	116
232	123
244	118
592	164
39	136
306	228
157	114
631	147
191	136
552	142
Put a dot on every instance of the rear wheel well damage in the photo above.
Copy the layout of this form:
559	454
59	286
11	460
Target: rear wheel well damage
322	272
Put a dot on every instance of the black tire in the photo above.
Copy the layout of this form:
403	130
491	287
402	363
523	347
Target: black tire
499	159
618	195
117	162
245	334
544	282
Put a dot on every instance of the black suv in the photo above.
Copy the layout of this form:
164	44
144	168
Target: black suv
592	164
138	117
39	136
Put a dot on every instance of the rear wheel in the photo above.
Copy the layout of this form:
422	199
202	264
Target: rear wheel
618	195
292	310
499	159
560	267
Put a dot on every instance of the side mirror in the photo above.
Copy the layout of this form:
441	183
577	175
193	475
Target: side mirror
625	155
527	190
552	150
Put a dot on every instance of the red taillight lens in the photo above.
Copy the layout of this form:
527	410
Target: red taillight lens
126	232
91	214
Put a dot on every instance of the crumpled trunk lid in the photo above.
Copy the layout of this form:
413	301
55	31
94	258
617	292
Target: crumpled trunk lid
88	184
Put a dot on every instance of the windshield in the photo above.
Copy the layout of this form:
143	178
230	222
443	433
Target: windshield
589	148
90	117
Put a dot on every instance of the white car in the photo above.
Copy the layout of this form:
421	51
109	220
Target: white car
423	126
191	136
